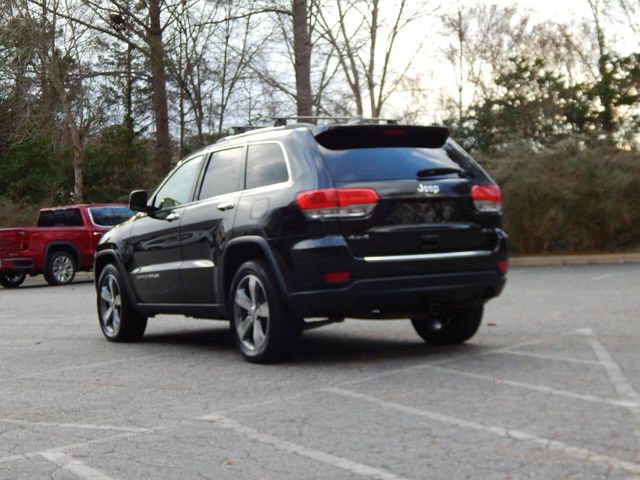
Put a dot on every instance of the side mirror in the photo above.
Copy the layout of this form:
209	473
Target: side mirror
138	200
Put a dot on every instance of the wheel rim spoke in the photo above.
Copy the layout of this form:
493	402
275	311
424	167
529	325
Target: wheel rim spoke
108	320
244	327
262	310
258	334
253	282
242	299
115	320
105	294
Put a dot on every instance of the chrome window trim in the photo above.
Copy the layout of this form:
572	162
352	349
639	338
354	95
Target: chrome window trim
429	256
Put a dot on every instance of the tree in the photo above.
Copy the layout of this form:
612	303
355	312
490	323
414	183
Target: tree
61	48
354	29
140	26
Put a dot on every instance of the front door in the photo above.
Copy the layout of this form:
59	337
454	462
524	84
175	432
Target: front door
155	239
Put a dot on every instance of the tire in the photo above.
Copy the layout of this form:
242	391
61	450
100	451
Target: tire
60	269
264	328
12	279
451	327
117	318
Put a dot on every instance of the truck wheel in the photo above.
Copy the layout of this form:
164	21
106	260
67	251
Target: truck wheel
118	320
264	328
12	279
451	327
60	269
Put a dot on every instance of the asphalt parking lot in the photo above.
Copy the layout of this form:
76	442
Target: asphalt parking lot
547	389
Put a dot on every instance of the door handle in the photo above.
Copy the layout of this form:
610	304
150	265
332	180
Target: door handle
225	206
172	216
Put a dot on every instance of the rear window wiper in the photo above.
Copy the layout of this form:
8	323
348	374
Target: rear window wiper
433	172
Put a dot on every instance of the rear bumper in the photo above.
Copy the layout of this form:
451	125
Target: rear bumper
16	264
398	295
388	286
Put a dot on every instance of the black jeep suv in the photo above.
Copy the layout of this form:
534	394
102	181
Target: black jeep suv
281	229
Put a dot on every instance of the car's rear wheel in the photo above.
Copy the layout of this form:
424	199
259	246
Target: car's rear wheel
264	328
60	269
12	279
118	320
449	327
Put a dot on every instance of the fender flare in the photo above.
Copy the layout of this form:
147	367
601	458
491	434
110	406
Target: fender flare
124	276
262	243
66	245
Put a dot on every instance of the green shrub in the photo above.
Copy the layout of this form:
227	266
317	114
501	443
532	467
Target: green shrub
570	200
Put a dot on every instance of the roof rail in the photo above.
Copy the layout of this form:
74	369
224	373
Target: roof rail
239	129
282	121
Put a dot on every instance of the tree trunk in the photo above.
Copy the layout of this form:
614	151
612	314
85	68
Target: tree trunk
159	87
78	177
128	100
302	54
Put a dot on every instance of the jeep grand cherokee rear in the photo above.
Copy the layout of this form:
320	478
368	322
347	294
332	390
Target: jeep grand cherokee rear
370	221
414	231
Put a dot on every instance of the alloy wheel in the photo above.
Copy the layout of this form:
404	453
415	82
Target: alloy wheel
63	269
251	312
110	305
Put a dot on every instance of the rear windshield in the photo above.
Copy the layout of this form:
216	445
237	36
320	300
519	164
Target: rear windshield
109	216
69	217
397	163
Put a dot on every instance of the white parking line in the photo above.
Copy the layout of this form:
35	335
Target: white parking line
616	375
549	357
70	446
396	371
74	466
555	445
444	361
81	426
286	446
539	388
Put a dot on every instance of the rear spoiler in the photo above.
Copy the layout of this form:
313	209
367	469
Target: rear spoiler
344	137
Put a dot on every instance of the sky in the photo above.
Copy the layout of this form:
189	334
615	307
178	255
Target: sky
438	75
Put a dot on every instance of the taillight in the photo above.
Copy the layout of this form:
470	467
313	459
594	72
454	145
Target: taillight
503	266
24	238
337	202
337	277
487	198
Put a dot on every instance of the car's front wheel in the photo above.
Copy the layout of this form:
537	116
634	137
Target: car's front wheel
12	279
118	320
264	328
451	326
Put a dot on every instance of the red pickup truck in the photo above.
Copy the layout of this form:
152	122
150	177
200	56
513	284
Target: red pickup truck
62	243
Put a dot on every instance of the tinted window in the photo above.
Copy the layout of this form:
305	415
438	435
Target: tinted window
389	163
109	216
265	165
177	190
223	173
61	218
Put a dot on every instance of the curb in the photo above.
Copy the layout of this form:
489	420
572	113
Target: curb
561	260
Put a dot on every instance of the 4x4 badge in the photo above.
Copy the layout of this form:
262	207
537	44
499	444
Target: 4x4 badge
427	188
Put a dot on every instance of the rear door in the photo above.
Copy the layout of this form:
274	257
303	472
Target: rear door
425	203
206	224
